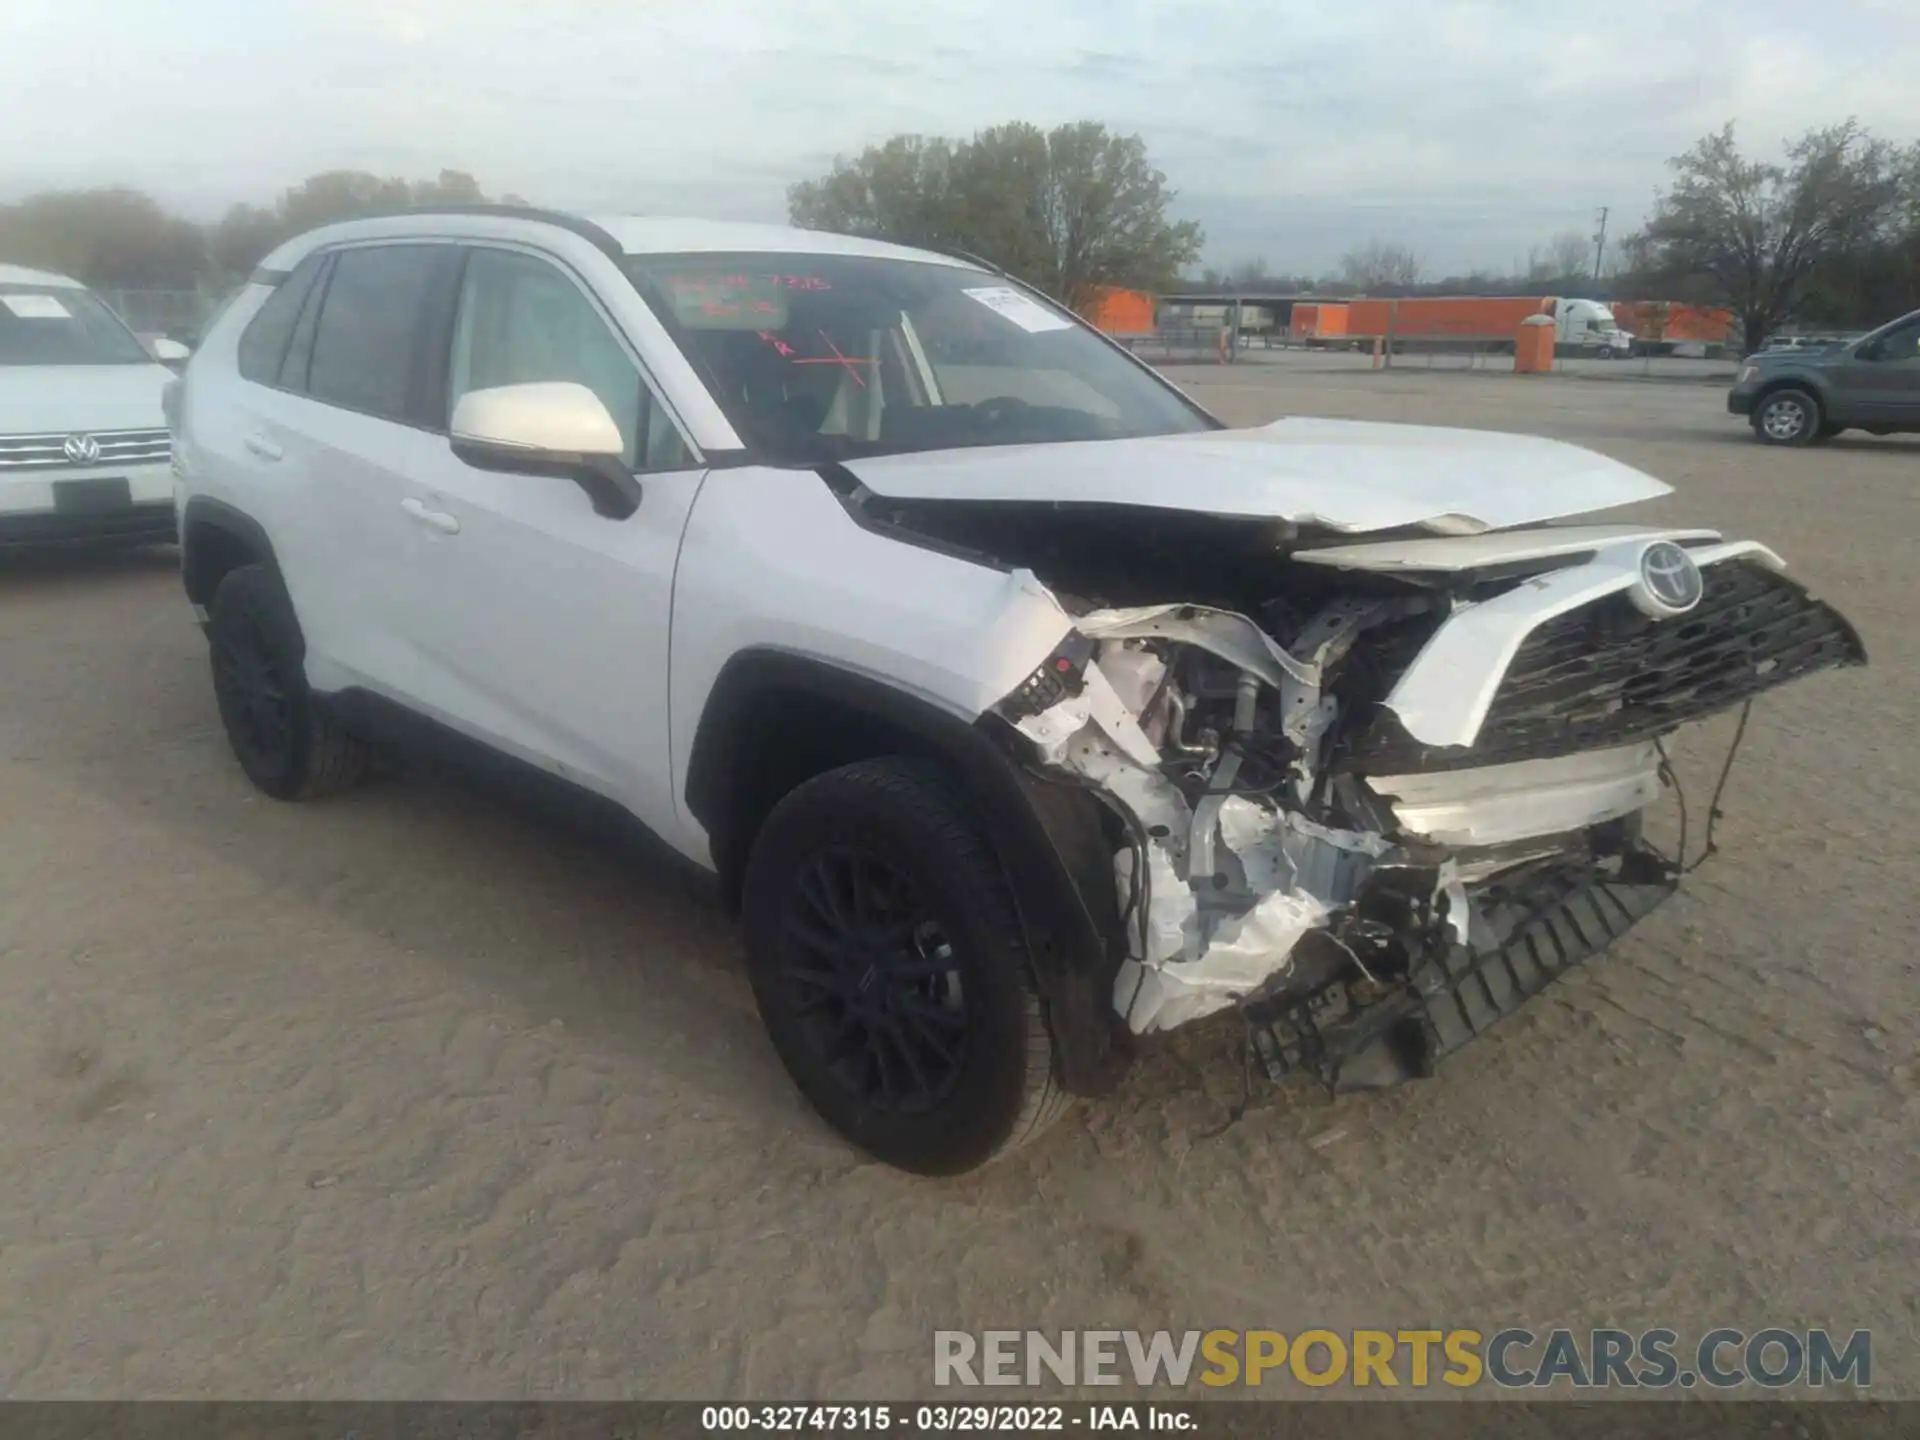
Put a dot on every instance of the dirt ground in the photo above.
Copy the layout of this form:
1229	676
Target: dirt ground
410	1095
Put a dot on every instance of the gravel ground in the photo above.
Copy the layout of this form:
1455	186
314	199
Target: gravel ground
412	1094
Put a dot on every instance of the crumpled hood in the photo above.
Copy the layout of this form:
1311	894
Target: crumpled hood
49	399
1343	474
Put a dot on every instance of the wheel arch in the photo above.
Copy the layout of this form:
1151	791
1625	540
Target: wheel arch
215	539
1802	383
775	719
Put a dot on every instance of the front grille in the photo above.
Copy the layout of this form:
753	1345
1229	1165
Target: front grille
1605	675
117	447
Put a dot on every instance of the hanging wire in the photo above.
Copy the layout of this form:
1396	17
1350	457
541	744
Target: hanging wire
1669	776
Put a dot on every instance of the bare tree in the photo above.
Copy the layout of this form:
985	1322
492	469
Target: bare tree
1570	254
1759	230
1380	265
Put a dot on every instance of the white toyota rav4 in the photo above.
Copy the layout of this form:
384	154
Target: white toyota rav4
1021	707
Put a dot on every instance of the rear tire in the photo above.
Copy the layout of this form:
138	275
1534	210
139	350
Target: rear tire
1787	417
286	746
892	973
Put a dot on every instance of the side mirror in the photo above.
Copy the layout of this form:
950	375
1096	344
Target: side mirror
552	427
1869	350
169	352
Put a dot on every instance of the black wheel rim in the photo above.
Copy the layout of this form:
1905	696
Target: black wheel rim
872	977
253	692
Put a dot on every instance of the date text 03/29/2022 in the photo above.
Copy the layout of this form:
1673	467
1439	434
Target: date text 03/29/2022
1510	1358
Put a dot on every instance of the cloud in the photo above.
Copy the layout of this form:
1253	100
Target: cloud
1470	128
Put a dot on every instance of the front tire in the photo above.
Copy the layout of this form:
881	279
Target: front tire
1788	417
892	973
284	744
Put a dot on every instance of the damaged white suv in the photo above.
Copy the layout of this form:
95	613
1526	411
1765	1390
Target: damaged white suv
1021	707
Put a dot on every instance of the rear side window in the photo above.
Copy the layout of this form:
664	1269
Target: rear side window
293	370
378	324
264	342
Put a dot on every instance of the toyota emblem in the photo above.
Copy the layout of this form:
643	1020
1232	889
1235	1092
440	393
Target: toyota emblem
1669	582
81	450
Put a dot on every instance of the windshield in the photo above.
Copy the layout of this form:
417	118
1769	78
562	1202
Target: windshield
817	358
62	325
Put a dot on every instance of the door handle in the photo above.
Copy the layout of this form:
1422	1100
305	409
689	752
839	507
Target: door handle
438	519
263	447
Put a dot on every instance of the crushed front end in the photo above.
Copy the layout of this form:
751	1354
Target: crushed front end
1384	808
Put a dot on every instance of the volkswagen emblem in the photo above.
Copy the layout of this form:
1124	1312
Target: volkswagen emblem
81	450
1669	582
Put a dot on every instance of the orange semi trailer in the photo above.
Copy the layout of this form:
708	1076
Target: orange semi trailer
1317	321
1660	325
1121	312
1443	317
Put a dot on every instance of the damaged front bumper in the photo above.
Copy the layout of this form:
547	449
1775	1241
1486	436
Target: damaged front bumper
1356	1034
1374	878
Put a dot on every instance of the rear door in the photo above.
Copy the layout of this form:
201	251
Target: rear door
542	627
359	423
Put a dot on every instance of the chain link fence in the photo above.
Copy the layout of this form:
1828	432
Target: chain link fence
179	314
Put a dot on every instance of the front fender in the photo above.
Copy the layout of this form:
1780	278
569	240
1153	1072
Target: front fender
774	719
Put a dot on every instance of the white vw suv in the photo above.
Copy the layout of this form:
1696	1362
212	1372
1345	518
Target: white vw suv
1021	708
83	441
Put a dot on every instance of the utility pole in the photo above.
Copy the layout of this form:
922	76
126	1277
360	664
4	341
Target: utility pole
1600	244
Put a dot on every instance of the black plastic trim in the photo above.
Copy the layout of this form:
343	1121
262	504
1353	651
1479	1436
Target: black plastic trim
593	234
853	495
442	749
146	523
202	511
1075	955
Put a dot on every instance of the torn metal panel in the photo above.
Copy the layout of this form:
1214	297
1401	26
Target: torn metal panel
1498	804
1244	954
1233	637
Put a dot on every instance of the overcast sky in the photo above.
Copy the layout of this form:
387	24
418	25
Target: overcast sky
1470	129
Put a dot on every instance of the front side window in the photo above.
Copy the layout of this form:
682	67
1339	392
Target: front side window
63	325
374	329
522	321
817	358
1899	344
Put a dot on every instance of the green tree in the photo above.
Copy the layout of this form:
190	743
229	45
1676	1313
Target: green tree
114	238
1759	231
246	233
1068	210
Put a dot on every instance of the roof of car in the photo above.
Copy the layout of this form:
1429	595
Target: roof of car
667	235
22	275
628	234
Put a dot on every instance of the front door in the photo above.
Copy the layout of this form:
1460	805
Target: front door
542	627
1882	386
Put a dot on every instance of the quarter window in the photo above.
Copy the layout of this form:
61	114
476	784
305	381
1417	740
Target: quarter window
522	321
264	342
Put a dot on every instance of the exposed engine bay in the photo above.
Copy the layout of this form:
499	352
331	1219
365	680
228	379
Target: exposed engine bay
1377	795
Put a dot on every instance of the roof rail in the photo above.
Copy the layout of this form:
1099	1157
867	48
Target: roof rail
600	239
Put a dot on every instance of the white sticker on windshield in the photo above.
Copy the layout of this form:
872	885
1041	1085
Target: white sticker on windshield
35	307
1023	310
